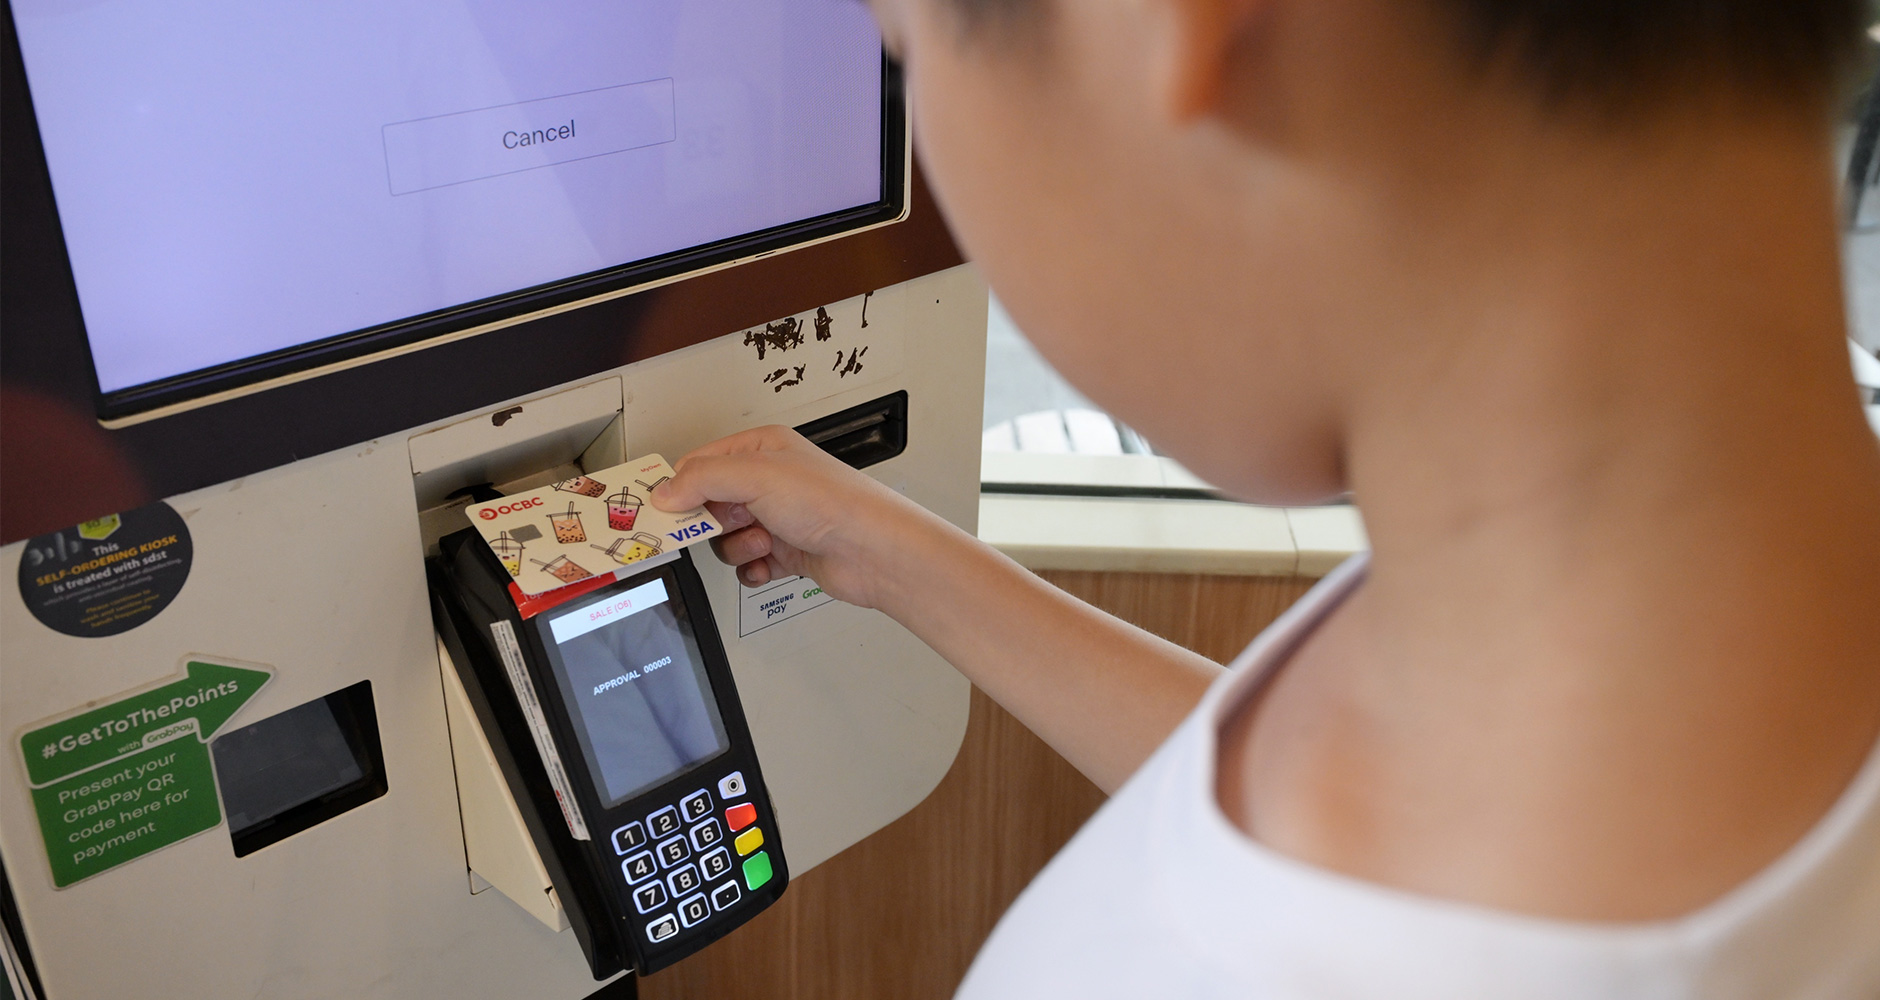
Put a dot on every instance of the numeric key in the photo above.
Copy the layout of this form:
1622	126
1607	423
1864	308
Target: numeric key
649	897
683	881
716	863
628	838
694	910
673	851
664	822
638	868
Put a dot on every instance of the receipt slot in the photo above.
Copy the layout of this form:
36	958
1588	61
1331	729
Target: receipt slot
612	712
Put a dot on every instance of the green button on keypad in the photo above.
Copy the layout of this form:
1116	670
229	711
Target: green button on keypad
757	870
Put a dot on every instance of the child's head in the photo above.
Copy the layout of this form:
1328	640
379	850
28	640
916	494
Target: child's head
1220	217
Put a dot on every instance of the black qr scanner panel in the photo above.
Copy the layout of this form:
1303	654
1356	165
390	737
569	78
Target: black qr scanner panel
616	722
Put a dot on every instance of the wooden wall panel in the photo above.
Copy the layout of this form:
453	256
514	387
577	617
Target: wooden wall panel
900	915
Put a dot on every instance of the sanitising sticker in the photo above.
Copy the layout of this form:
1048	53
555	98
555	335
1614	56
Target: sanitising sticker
107	576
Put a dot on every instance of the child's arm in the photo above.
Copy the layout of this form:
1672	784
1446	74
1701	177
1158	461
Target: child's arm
1102	692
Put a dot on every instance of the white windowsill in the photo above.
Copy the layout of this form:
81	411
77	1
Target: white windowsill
1169	536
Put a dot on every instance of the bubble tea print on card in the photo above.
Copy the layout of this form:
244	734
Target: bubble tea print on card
626	551
510	552
584	485
644	546
586	522
623	509
566	570
567	525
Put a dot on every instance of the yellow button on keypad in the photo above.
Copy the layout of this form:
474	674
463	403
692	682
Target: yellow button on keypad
750	840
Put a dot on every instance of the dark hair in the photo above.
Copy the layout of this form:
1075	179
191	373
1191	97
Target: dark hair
1619	55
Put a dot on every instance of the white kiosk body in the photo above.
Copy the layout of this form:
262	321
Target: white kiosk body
315	572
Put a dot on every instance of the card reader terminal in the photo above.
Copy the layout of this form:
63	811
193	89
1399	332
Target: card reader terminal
612	712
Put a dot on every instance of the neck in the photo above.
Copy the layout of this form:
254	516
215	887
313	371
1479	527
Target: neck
1652	385
1626	535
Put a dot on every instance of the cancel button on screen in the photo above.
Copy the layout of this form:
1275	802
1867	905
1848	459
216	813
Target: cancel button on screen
516	140
487	142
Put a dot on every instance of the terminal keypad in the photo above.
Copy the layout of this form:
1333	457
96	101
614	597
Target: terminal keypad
693	891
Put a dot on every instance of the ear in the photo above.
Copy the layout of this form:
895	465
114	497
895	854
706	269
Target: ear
1196	45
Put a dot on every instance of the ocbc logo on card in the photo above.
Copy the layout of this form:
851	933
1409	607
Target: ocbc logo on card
492	513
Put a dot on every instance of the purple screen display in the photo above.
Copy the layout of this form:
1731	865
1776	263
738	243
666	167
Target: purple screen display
236	178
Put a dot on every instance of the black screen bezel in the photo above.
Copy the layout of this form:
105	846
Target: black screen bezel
417	332
558	671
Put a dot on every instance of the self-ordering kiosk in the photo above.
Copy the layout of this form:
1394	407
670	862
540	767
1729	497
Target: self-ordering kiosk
280	728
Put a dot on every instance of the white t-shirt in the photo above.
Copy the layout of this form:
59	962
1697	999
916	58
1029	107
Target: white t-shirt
1160	896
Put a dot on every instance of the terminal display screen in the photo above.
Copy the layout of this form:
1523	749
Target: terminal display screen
635	684
238	182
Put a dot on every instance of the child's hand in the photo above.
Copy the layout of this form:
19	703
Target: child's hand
1103	693
789	508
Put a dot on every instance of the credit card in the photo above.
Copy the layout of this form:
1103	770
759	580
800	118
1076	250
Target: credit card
586	527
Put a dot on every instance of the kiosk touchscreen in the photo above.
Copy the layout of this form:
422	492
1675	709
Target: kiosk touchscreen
249	197
613	714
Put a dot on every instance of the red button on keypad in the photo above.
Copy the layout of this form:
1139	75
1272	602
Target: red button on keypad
740	816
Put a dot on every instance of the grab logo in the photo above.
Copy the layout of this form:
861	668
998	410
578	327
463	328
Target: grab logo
492	513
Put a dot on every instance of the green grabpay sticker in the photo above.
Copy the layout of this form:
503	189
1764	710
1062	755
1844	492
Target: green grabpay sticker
114	782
